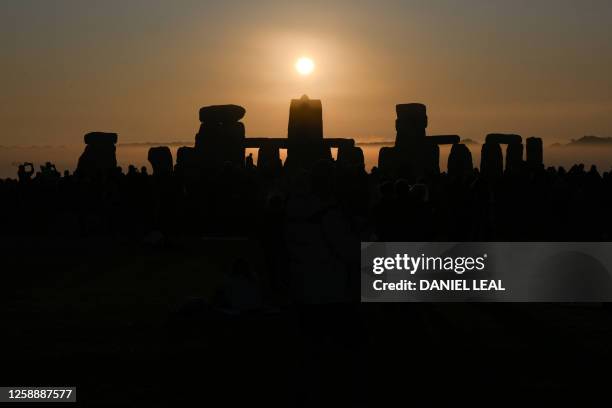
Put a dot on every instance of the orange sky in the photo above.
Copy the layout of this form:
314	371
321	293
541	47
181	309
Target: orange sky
143	69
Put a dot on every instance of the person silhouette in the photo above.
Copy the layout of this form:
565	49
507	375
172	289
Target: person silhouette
25	172
249	162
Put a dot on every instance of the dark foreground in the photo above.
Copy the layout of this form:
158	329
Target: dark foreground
135	324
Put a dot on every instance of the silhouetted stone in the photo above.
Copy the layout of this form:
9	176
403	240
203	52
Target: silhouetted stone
410	124
414	128
184	155
307	155
491	160
186	160
535	155
305	120
444	139
358	159
459	160
221	114
217	143
161	160
503	138
429	161
99	156
411	111
416	160
386	159
350	156
514	156
100	138
305	134
268	159
414	154
217	136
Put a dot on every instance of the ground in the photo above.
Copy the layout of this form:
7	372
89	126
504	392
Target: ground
98	313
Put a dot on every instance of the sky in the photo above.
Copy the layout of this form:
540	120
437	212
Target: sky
142	68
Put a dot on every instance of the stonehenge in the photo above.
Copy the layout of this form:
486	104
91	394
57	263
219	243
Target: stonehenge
514	156
491	160
268	159
412	110
459	160
186	161
350	155
222	139
305	134
100	138
221	114
415	154
535	156
221	135
99	157
305	120
410	124
161	160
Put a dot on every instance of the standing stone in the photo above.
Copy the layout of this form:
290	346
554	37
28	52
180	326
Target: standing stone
411	111
268	159
460	161
187	162
185	156
99	156
350	156
410	124
428	163
514	156
421	159
410	127
221	136
535	156
305	120
414	155
491	160
161	160
387	161
305	134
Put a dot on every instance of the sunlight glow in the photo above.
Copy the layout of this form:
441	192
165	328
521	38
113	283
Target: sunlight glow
304	66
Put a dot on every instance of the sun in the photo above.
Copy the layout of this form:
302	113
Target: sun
304	66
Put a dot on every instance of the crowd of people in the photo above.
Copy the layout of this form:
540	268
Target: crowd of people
550	204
